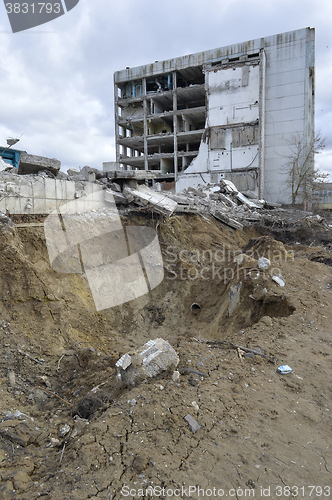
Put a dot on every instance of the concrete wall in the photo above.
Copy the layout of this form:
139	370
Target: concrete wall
278	91
289	104
28	194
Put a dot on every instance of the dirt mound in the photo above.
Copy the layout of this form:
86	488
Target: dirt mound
69	429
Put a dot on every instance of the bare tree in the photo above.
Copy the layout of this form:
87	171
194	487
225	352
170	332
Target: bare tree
302	175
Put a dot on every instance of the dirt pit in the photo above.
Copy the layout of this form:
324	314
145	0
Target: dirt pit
70	430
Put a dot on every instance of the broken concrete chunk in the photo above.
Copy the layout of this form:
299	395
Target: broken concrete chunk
115	187
88	173
226	220
32	164
228	186
114	196
193	425
243	199
144	196
181	199
149	361
263	263
73	171
133	174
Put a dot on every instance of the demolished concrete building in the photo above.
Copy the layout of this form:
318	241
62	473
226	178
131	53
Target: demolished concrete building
227	113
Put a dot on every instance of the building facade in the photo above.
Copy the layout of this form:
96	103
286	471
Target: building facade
230	113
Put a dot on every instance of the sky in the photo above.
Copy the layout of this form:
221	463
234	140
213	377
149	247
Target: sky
56	80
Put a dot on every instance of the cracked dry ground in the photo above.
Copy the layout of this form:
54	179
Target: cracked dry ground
257	428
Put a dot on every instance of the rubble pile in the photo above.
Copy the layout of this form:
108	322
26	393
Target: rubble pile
38	186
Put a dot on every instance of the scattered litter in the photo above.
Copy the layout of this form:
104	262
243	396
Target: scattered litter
63	449
195	405
204	359
284	369
278	279
193	425
64	430
175	376
30	357
201	374
217	343
16	415
241	353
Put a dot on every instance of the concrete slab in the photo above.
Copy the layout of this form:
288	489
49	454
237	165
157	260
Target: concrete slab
144	196
114	196
226	219
134	174
32	164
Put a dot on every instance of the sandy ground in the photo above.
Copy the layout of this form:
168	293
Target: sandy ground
261	435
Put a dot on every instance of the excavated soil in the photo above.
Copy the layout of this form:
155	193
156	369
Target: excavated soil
262	434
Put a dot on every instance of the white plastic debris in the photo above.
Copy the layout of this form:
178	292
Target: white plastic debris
284	369
263	263
124	362
279	279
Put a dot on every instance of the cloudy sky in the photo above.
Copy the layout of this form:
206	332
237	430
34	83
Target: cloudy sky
56	81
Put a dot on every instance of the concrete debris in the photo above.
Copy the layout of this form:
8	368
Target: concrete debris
229	221
133	174
144	196
243	199
193	425
73	171
229	186
155	357
114	196
44	188
32	164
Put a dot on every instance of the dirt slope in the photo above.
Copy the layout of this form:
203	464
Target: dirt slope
258	429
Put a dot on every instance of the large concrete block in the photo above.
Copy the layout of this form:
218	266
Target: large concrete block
32	164
50	189
155	357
